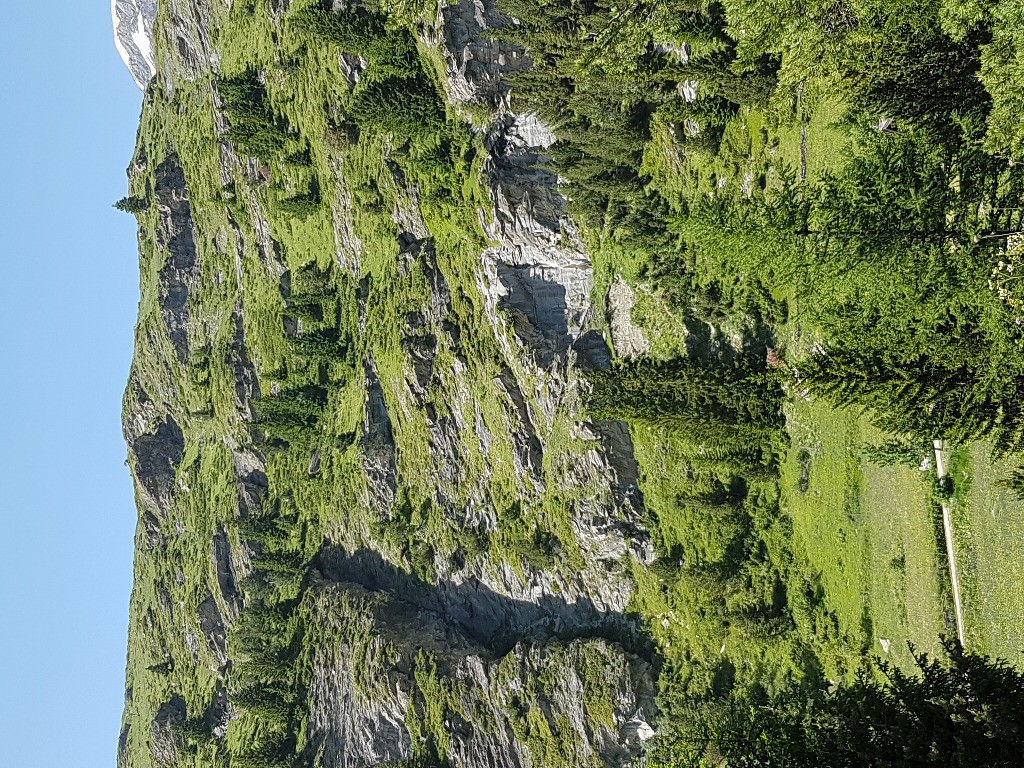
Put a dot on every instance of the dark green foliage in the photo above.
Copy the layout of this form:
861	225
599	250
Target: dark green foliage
391	53
600	91
395	94
266	754
258	760
306	306
865	246
254	127
301	159
132	204
262	528
355	30
960	712
999	20
723	403
922	396
196	732
322	346
407	107
285	561
256	586
269	701
301	205
699	124
257	138
291	415
268	681
266	668
263	624
913	71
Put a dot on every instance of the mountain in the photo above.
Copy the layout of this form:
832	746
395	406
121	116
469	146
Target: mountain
466	415
133	36
463	533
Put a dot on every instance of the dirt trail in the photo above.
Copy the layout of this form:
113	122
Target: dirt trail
803	131
947	527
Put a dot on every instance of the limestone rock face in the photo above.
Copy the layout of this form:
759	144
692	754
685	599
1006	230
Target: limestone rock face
495	651
493	656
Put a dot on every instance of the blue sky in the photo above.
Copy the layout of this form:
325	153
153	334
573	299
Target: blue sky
70	292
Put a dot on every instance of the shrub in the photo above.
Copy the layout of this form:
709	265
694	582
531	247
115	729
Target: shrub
322	346
355	29
291	415
300	205
406	107
254	127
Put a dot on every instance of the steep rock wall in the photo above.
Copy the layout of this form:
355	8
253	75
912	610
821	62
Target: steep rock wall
498	647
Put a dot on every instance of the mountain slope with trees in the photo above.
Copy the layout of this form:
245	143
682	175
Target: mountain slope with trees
406	497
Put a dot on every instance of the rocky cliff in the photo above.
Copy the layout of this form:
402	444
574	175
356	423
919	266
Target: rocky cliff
451	540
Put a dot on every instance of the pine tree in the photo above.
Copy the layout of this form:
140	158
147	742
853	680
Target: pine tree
254	128
322	346
406	107
132	204
355	29
716	402
291	415
921	396
963	711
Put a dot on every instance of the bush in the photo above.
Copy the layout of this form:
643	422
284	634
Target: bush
291	415
254	127
406	107
257	138
321	346
300	205
305	306
355	29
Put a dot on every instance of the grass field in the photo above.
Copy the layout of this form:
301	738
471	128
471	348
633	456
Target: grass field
867	533
989	531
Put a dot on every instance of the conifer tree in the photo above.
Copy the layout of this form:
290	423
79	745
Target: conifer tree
720	403
132	204
918	395
961	712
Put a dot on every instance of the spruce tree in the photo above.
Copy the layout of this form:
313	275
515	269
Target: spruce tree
960	712
716	402
132	204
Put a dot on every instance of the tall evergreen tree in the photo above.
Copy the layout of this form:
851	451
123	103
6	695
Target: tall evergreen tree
964	711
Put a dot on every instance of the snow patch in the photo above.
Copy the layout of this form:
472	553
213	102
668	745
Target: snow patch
133	37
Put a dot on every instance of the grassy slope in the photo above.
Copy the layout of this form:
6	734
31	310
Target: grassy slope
864	535
988	523
304	85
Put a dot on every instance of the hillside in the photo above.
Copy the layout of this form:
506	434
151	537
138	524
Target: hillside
514	381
